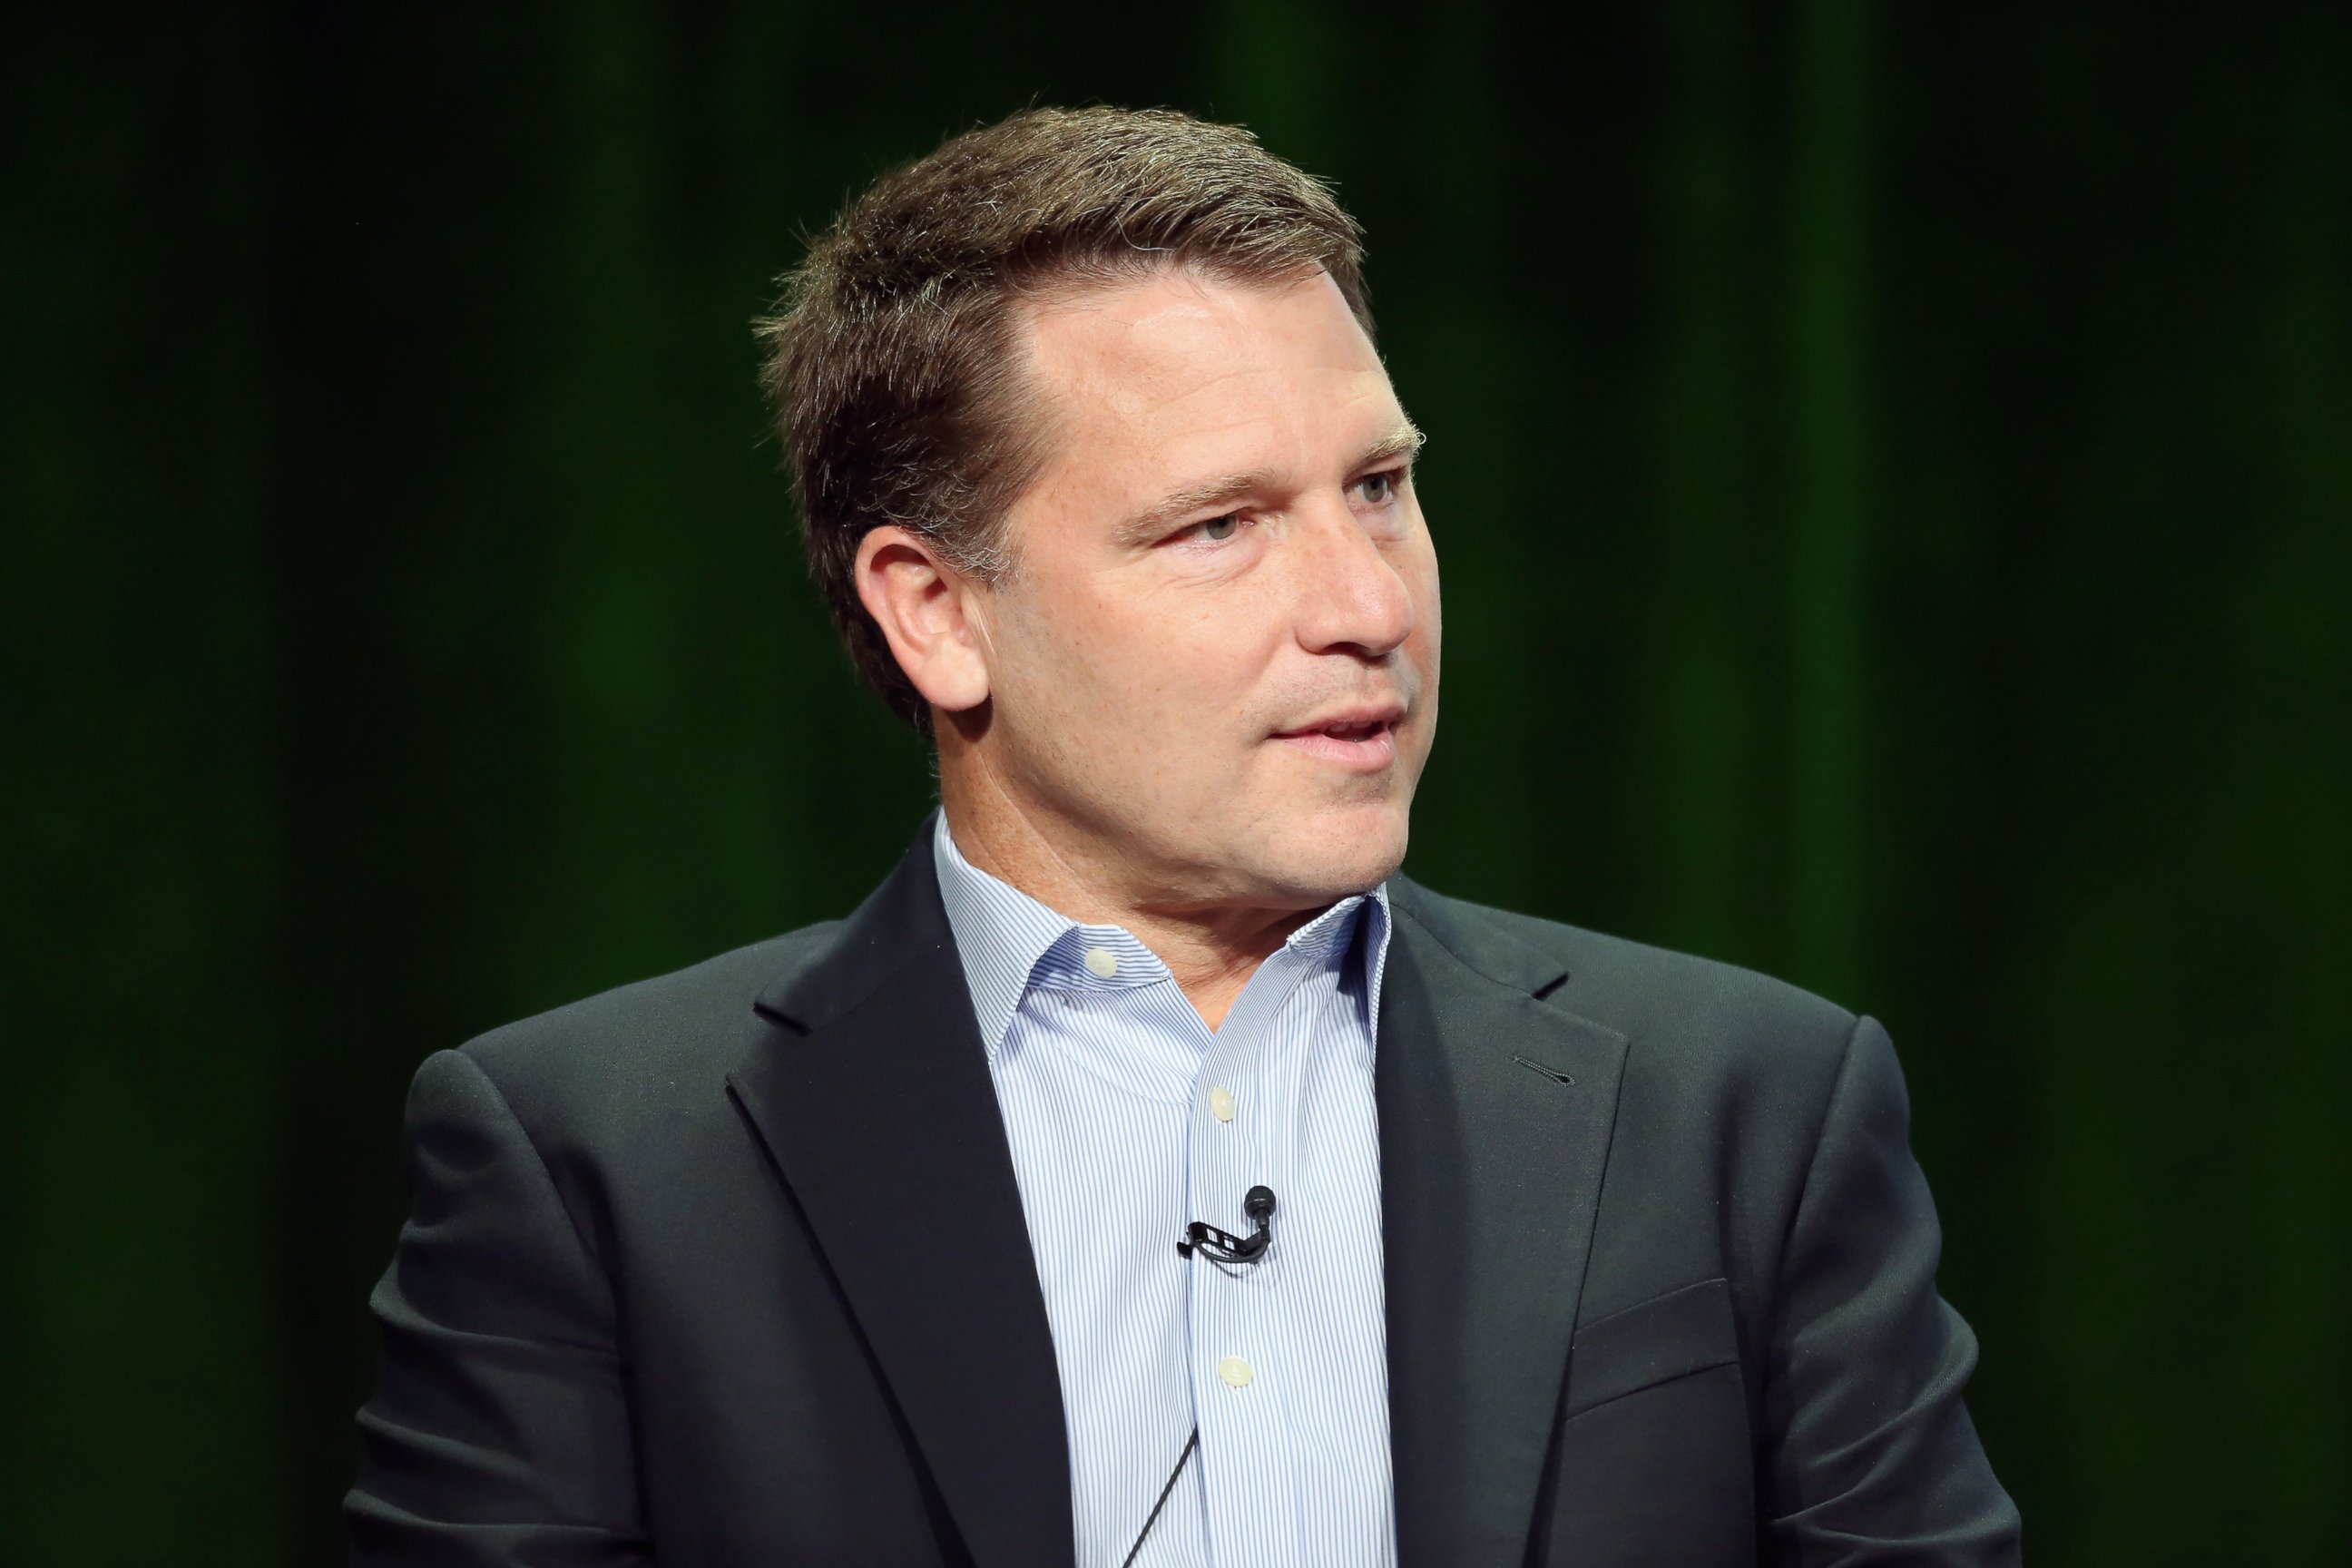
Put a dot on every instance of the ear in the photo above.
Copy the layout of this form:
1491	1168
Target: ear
925	608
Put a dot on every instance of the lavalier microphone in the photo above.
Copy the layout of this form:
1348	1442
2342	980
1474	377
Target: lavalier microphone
1223	1245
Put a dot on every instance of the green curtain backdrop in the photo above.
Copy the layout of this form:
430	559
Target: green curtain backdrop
1892	468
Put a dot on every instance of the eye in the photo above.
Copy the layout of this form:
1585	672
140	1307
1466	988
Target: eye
1217	530
1379	488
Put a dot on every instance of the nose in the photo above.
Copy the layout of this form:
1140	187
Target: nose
1351	597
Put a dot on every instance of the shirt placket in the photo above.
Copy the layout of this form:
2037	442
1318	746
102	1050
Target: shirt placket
1236	1362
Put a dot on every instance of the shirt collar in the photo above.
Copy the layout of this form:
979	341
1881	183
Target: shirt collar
1001	932
1003	937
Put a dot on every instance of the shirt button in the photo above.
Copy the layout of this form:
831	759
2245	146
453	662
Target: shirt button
1101	962
1220	1103
1234	1371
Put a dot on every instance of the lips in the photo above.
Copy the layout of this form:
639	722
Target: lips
1362	738
1355	721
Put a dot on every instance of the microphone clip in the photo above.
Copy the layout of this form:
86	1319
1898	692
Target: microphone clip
1223	1245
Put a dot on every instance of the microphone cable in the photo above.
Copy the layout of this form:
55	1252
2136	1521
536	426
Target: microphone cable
1181	1460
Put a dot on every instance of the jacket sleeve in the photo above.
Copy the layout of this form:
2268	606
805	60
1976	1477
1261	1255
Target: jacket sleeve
1872	1459
499	1428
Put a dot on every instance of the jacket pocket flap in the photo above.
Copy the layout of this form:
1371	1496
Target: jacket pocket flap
1685	1330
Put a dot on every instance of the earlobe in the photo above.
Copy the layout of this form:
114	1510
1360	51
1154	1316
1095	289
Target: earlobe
922	606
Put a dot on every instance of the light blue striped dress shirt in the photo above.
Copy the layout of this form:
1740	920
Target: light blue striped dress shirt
1129	1117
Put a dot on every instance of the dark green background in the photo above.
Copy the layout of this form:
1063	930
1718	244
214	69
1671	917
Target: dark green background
1892	472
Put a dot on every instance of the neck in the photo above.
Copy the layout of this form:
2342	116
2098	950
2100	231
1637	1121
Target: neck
1210	948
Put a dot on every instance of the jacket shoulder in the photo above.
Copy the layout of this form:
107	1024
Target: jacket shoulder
1705	1006
632	1043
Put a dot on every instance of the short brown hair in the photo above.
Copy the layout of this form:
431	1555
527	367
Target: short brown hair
890	353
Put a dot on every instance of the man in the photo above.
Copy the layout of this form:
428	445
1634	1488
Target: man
1500	1242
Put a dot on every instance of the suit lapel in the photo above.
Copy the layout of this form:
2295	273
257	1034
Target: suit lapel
873	1099
1490	1175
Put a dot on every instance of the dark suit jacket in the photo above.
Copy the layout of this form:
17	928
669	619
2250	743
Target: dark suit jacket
729	1268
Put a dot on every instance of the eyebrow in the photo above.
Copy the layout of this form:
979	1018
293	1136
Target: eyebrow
1147	525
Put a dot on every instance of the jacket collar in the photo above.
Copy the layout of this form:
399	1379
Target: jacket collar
873	1099
1496	1111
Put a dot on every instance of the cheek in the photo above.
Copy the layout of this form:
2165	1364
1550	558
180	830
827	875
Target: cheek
1099	669
1194	660
1428	616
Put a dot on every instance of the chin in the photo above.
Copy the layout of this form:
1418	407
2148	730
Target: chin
1337	851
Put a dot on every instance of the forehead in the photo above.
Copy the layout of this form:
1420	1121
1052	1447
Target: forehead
1178	369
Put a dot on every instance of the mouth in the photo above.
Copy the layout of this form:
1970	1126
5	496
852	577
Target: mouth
1362	739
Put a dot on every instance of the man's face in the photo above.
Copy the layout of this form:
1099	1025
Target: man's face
1212	668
